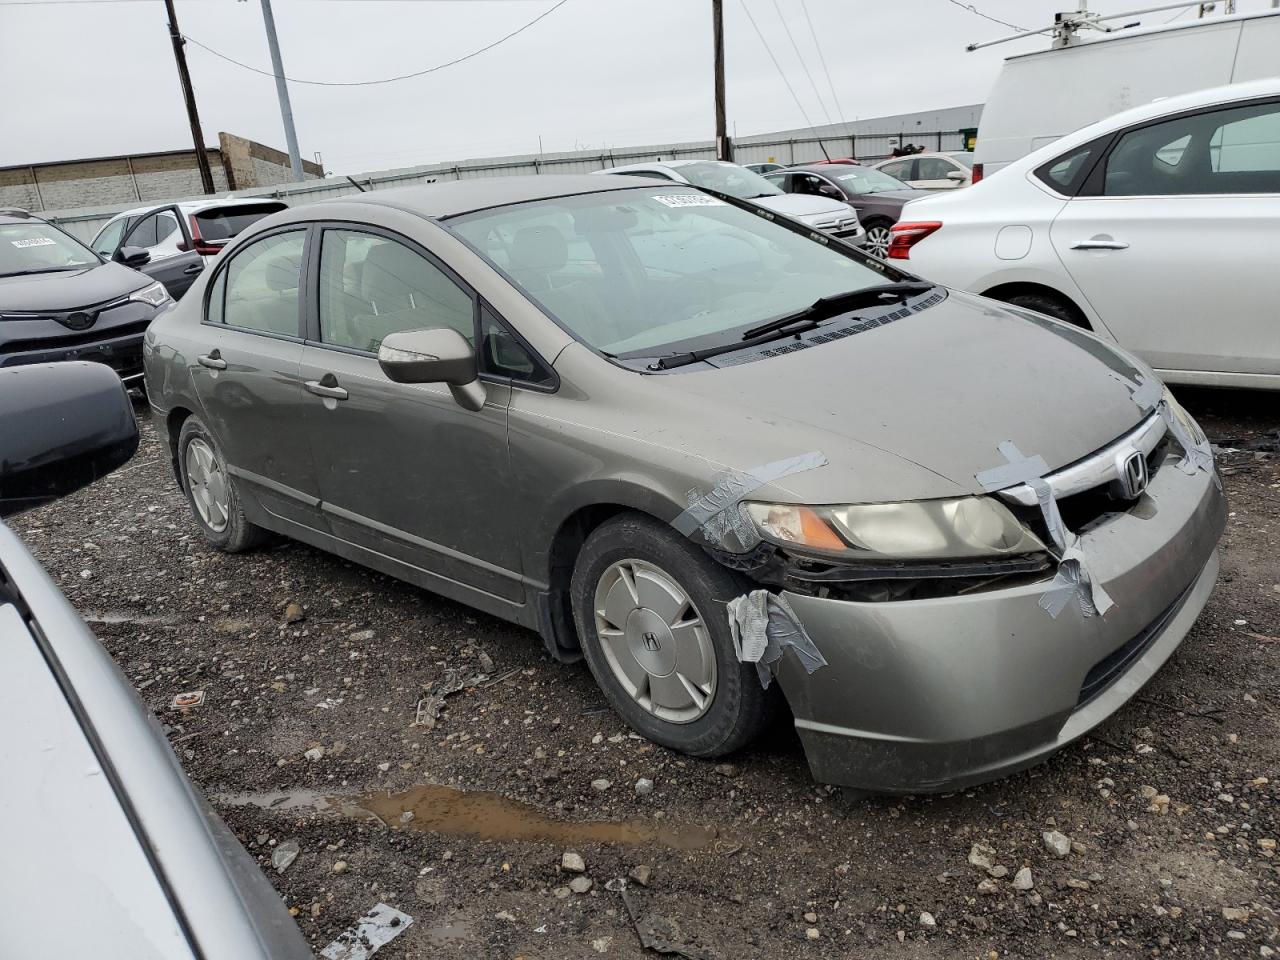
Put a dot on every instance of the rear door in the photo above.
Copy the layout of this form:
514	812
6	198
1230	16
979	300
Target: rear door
174	262
1173	239
245	371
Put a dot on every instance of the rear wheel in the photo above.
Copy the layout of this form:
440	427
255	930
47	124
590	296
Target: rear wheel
878	237
211	491
1057	307
650	611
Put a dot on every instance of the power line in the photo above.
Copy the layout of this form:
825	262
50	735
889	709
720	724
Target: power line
803	65
790	89
972	9
403	76
822	59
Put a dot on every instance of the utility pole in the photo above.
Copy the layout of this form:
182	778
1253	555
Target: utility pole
184	78
724	148
282	91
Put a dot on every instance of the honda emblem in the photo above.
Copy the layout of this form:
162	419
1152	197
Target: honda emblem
1133	475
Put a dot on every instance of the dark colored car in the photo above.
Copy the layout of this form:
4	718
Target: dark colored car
59	300
108	849
181	239
877	197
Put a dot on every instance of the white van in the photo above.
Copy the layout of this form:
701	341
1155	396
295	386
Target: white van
1042	96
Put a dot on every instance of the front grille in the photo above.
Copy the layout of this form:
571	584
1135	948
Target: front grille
89	336
1107	670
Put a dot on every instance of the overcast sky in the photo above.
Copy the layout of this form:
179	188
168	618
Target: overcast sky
99	79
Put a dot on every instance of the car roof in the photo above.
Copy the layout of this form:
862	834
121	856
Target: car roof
456	197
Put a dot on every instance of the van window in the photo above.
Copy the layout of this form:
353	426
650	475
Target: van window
1231	151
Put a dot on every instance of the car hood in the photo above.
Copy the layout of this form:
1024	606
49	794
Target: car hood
69	289
915	408
902	196
803	206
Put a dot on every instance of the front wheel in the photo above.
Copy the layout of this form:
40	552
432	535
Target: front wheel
878	237
650	609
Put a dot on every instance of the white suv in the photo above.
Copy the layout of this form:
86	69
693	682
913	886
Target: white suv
1158	227
179	238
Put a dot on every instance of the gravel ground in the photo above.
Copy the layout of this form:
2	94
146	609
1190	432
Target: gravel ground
313	670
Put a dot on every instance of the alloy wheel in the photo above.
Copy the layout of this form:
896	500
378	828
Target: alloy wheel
207	483
655	641
878	241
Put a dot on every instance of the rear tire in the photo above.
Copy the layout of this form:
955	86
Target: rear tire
1056	307
669	670
878	237
212	493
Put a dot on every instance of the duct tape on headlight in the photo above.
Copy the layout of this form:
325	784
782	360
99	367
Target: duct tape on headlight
764	627
716	512
1072	578
1197	454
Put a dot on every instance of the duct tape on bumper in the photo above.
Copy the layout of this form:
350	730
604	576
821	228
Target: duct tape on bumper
1148	394
716	512
764	627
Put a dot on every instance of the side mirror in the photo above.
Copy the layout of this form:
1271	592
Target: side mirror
133	256
955	176
437	355
829	191
62	426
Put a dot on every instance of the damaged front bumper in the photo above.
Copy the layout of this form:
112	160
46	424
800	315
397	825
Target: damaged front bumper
936	694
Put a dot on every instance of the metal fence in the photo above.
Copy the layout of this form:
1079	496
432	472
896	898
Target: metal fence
85	223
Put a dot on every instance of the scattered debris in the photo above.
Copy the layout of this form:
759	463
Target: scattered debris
573	862
982	856
1056	843
429	706
1022	880
644	787
581	884
284	855
293	613
927	920
657	933
641	874
374	930
191	698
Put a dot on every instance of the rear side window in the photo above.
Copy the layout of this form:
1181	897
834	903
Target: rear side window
901	170
372	286
223	223
1232	151
1065	174
262	282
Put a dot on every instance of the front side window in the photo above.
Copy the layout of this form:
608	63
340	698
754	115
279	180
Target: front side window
1230	151
642	270
34	246
144	233
107	241
262	284
932	168
372	286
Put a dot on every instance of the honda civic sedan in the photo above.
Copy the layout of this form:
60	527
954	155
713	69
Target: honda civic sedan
746	471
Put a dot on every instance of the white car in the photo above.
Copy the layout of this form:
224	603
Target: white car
931	171
1158	228
822	213
179	238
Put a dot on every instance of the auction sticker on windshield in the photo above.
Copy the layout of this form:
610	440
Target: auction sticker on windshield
688	200
33	242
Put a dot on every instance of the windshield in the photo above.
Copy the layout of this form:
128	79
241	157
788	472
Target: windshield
869	180
639	271
727	178
39	247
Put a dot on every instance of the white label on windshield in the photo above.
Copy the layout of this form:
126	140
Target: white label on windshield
689	200
33	242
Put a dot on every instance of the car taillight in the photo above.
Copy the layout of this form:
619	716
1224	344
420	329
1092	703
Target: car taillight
904	236
201	245
977	173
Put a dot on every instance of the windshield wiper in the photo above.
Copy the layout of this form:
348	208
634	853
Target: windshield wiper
803	320
827	307
28	273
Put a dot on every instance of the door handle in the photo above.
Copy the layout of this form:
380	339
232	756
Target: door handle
322	389
194	268
213	360
1100	245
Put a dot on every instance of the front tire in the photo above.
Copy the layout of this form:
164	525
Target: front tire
212	493
650	611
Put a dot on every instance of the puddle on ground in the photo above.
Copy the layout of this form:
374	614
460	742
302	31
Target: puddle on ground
489	816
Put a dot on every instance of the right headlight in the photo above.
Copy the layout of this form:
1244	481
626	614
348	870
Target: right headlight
957	528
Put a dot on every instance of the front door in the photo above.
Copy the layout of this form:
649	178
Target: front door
405	471
1173	240
174	261
245	371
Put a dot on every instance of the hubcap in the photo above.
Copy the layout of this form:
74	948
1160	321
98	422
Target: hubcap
655	641
878	241
207	484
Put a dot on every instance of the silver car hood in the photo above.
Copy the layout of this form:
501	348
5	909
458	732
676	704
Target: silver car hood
913	409
803	206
